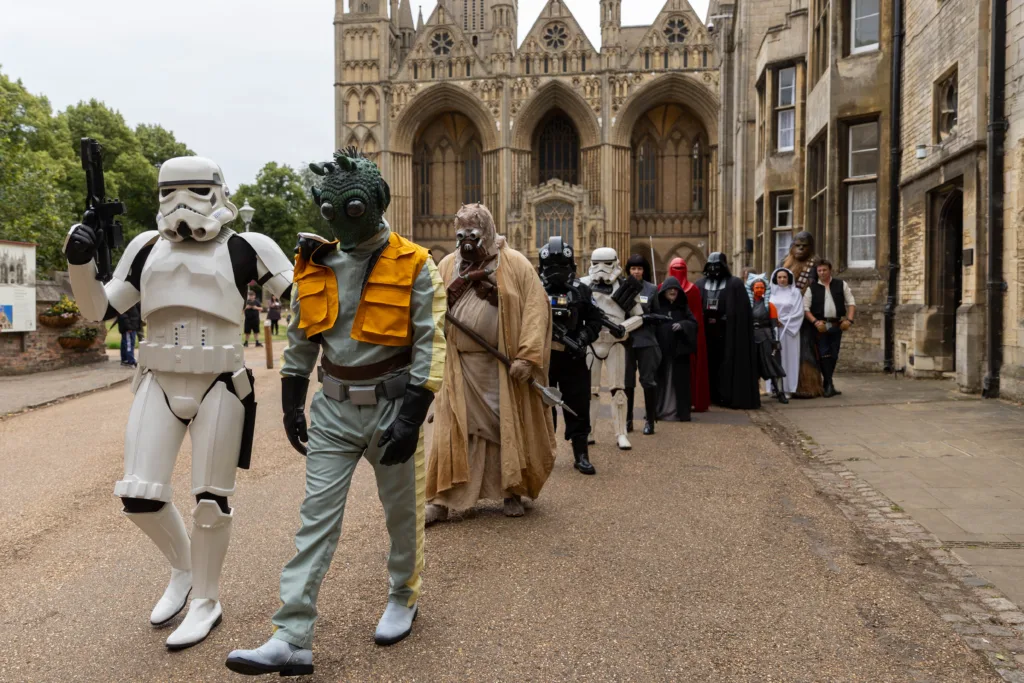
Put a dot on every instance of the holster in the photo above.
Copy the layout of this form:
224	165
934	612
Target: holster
248	425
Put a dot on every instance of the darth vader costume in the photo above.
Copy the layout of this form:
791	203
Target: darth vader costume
729	328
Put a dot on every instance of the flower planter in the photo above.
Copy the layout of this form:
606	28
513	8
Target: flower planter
75	343
58	320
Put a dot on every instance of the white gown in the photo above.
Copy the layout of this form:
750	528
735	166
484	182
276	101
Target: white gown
790	305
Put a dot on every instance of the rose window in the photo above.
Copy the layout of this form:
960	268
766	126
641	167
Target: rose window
555	36
442	43
676	30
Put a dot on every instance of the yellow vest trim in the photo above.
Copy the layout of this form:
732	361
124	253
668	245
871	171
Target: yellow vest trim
317	291
384	316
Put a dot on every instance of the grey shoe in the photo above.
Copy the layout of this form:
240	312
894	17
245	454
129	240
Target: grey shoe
273	656
396	623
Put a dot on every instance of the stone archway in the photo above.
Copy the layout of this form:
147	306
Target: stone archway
670	88
424	107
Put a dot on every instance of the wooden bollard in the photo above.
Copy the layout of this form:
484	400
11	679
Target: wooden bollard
268	342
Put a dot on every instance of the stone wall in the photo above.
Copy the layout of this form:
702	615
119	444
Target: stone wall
22	353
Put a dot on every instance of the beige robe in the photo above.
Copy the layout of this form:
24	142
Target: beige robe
525	427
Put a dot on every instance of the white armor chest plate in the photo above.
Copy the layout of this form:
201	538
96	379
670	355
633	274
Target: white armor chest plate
192	308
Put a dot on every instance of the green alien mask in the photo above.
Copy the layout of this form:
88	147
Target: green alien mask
353	197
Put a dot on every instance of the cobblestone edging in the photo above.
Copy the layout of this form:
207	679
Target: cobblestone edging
986	620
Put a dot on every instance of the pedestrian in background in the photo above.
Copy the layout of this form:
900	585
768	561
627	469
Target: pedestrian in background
274	314
128	324
252	318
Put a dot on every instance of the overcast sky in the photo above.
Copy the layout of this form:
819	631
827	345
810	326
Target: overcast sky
241	81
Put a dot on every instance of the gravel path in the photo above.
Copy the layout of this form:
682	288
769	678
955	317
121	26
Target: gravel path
702	555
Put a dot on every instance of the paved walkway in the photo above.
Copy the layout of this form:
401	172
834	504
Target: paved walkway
22	392
953	462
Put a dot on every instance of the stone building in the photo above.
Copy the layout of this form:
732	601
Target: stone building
614	146
729	134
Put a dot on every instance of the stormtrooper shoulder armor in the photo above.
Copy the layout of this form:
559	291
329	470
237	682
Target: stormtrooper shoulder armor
131	252
273	267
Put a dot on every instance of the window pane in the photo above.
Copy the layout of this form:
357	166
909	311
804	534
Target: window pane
861	224
864	149
783	240
787	118
787	87
784	211
865	24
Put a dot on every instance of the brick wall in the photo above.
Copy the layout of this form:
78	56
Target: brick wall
22	353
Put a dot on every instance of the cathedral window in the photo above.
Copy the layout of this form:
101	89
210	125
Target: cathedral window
472	180
704	58
686	59
647	60
433	70
558	152
528	60
546	67
469	69
665	59
676	30
422	175
449	70
415	71
555	36
583	62
646	176
555	218
698	177
565	64
442	43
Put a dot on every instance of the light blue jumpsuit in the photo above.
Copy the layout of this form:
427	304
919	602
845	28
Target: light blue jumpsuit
340	433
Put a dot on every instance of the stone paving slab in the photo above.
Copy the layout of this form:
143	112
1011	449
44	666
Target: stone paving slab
23	392
952	462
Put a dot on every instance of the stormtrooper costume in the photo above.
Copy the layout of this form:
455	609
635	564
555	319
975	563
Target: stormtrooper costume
190	276
617	298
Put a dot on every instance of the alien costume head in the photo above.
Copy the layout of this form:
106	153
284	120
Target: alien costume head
605	266
557	263
193	200
802	248
717	267
475	234
353	197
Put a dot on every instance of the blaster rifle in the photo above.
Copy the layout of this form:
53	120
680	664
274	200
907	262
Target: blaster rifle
99	213
561	335
618	331
657	319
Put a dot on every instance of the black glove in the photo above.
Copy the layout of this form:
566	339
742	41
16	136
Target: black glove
401	438
81	246
293	402
625	296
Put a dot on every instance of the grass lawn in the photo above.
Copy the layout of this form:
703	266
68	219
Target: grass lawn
114	337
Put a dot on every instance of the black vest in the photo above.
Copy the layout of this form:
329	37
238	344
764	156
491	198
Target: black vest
818	299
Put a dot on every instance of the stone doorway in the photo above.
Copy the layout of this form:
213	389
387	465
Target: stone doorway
945	268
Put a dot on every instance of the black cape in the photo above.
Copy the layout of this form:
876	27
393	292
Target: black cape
738	374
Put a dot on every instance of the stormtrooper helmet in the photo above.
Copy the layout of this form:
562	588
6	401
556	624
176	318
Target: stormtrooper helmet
193	200
605	266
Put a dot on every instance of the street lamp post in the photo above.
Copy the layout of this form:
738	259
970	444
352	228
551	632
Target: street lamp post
246	212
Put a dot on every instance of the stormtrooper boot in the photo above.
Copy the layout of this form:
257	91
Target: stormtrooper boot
650	406
581	456
211	532
395	624
619	421
273	656
167	530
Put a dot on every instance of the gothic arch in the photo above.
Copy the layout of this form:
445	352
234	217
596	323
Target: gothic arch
434	100
352	106
693	255
556	95
670	88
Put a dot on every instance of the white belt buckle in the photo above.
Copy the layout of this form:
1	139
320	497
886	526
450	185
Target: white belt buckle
363	395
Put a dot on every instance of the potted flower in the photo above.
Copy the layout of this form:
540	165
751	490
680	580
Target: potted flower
64	313
78	339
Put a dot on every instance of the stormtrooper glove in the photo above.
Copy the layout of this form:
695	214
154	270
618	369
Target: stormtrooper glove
80	246
399	441
293	402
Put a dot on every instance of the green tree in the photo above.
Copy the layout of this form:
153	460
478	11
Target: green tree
159	144
34	164
281	203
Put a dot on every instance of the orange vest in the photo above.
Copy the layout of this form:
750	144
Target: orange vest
383	316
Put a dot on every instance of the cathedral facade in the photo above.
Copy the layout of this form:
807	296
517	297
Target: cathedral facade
616	146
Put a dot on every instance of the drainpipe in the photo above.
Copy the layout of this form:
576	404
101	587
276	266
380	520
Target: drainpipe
996	138
895	157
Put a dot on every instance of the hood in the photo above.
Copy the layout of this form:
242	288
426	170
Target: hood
679	270
672	283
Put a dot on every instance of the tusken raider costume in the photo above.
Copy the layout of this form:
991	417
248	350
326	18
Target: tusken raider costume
190	276
373	304
576	324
